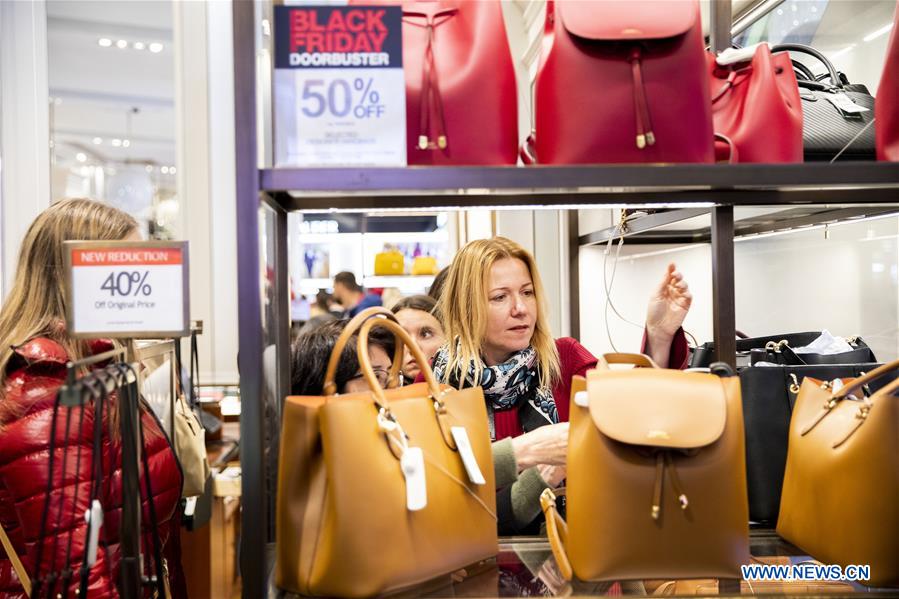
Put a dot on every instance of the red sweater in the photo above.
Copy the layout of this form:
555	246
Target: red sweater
576	360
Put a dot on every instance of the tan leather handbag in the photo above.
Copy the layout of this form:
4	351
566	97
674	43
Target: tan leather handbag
373	495
840	500
656	476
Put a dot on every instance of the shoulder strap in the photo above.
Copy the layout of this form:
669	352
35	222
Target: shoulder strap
16	562
557	532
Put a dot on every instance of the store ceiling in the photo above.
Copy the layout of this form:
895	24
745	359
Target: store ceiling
96	87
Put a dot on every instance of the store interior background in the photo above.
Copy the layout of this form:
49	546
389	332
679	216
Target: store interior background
173	104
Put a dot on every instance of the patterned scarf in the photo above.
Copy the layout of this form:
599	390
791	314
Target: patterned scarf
513	384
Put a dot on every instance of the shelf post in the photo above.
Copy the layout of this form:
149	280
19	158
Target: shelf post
721	22
254	512
723	296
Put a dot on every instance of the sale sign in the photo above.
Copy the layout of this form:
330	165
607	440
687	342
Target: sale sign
340	95
127	289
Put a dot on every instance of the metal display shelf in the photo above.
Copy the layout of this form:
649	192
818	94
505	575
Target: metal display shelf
694	189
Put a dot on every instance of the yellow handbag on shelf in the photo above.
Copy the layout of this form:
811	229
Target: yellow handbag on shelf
424	265
656	476
840	500
390	263
373	495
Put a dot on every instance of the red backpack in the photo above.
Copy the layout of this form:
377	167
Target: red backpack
461	95
886	108
623	81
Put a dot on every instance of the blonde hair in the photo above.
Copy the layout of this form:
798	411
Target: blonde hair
36	304
463	309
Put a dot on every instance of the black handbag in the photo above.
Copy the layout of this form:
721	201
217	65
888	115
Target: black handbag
779	350
832	128
769	393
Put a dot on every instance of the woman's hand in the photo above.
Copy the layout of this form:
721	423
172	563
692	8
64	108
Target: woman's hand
545	445
553	475
668	307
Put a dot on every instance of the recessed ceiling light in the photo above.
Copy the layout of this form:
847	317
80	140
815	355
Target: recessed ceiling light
139	46
795	23
876	34
57	101
121	44
149	168
104	42
780	11
117	142
80	157
172	170
155	47
126	143
98	141
165	170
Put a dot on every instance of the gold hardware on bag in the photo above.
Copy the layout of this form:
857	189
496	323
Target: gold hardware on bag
683	501
441	142
863	412
794	387
655	512
651	138
826	385
830	404
658	435
422	142
641	141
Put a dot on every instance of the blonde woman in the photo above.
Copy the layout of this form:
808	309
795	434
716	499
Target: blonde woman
34	349
493	310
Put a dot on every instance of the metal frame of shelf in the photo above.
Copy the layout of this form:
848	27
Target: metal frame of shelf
696	189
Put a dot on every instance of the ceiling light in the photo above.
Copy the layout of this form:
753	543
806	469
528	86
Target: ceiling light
139	46
105	42
795	8
814	9
172	170
780	11
80	157
98	141
57	101
795	23
876	34
121	44
126	143
117	142
149	168
155	47
839	53
165	170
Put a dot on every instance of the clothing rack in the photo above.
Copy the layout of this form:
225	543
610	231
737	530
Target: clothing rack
75	393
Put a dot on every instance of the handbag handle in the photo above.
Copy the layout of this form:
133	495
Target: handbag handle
636	359
556	532
330	387
527	151
864	380
403	338
803	49
17	565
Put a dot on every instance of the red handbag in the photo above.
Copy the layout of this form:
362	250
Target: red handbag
886	108
461	94
756	105
622	81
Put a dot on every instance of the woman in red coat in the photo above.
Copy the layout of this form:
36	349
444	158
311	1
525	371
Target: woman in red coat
494	315
34	349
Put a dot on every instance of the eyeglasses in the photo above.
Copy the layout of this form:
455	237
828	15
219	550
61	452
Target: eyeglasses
382	375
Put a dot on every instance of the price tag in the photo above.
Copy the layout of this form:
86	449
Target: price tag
412	464
127	289
340	94
463	444
845	104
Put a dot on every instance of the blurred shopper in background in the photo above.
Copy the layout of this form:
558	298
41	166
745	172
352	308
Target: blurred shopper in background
416	314
351	295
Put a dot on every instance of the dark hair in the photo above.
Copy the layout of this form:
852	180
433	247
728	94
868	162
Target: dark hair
425	303
348	280
323	300
436	287
311	351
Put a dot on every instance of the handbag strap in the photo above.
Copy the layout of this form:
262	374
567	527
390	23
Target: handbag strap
557	532
864	380
17	564
330	387
803	49
636	359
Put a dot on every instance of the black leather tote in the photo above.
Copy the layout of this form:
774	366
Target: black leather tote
779	350
833	127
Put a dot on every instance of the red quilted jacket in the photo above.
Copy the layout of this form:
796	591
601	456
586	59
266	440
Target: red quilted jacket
26	412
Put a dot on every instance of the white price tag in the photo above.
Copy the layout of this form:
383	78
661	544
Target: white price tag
128	289
463	444
413	466
340	93
845	104
93	516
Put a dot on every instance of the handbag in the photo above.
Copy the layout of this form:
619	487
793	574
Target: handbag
373	495
769	394
656	476
778	349
390	263
461	92
887	108
424	265
188	436
840	500
837	117
621	81
755	104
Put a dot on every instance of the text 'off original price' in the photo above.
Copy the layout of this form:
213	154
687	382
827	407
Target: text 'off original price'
121	291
